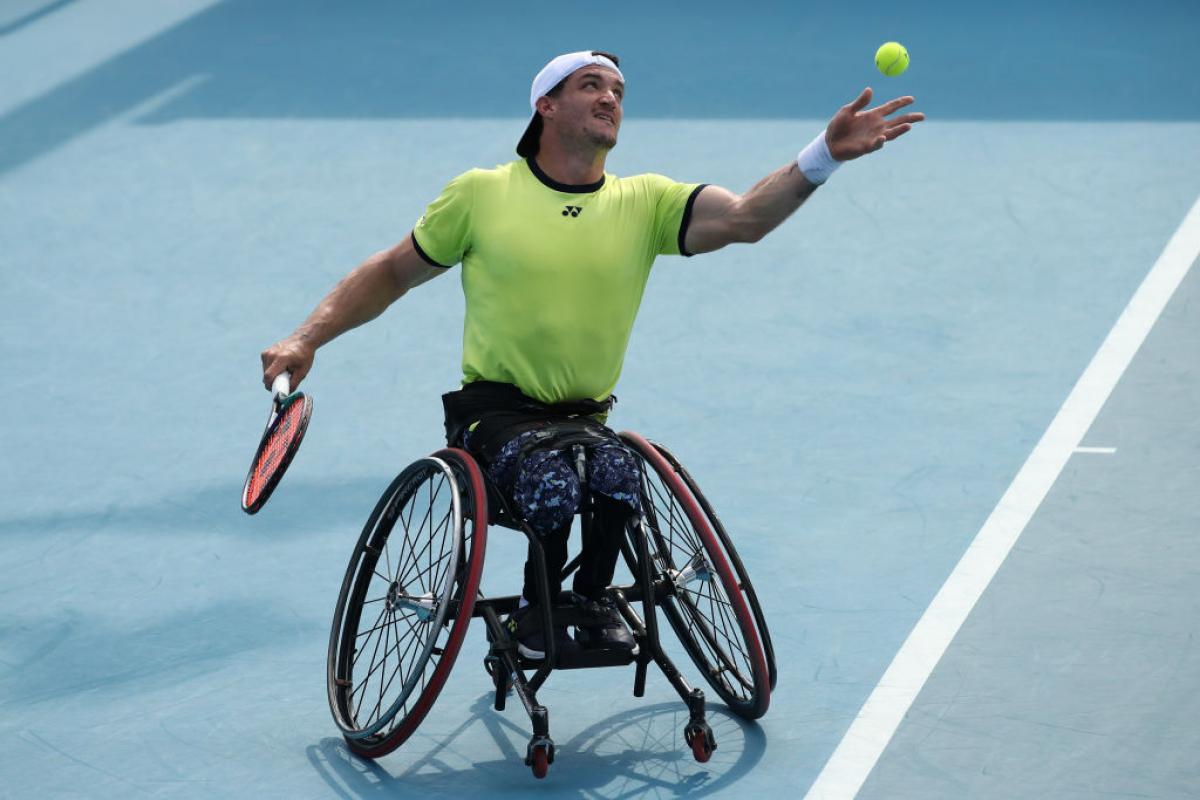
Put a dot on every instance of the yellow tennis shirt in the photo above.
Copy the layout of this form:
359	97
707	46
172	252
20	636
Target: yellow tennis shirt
553	274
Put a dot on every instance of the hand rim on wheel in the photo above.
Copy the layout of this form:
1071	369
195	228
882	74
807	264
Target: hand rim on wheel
758	682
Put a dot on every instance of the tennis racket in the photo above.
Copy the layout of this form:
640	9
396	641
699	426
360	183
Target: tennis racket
290	412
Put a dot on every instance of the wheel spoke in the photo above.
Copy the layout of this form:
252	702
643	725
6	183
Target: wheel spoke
372	666
372	630
427	547
392	662
383	663
708	616
416	639
368	642
400	662
412	548
720	635
447	550
407	576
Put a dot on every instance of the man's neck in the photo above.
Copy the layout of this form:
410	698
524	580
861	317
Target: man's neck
573	168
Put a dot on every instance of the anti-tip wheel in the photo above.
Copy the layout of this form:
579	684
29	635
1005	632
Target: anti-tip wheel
700	738
541	763
540	756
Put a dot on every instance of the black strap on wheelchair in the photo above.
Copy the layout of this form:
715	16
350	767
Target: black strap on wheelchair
500	412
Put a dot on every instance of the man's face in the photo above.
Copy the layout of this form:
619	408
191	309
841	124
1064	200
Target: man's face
588	106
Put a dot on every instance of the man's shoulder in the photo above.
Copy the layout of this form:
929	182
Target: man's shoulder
645	181
483	175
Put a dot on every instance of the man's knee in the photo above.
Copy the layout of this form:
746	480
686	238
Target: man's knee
547	491
614	472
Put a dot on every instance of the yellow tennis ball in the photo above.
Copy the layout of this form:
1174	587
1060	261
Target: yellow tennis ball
891	59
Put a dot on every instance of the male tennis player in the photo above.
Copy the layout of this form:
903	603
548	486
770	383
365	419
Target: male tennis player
555	255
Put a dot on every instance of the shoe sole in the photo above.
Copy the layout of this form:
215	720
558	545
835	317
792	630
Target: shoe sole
532	655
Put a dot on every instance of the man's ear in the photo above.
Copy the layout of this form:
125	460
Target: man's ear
545	105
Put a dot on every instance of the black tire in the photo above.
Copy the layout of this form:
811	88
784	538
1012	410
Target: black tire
411	597
708	607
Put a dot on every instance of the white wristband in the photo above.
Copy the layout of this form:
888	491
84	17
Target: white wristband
816	162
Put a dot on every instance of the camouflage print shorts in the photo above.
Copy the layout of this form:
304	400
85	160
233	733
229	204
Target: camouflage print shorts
545	490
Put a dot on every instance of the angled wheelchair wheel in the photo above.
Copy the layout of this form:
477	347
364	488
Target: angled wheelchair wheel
735	561
709	607
406	601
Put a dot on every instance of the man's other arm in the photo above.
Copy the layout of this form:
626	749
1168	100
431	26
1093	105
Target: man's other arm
358	298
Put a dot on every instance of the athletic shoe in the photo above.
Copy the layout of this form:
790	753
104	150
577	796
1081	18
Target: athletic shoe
525	625
603	627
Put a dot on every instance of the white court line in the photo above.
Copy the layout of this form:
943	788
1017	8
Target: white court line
870	732
1108	451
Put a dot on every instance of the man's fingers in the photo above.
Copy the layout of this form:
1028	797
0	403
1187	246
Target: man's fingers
274	365
270	366
861	101
893	105
905	119
898	130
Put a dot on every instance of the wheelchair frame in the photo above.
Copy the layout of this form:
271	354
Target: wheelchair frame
659	583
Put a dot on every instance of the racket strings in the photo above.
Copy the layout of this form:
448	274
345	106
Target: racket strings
275	449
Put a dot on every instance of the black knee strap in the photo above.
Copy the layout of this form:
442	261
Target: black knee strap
564	434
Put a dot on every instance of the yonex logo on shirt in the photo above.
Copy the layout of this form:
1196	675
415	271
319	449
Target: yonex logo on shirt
572	211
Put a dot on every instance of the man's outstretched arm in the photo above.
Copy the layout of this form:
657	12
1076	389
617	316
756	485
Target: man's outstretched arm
360	297
721	217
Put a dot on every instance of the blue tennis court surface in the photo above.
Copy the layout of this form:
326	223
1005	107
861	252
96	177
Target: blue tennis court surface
181	182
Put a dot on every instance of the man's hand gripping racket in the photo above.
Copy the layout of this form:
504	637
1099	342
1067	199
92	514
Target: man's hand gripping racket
286	424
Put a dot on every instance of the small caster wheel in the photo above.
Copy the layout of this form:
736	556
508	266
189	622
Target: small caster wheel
541	763
700	738
540	756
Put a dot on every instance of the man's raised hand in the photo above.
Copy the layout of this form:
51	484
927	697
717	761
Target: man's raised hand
854	132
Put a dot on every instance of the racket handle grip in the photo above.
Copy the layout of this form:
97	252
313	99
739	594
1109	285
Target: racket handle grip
282	385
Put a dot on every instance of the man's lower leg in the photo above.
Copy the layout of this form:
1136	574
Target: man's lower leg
598	563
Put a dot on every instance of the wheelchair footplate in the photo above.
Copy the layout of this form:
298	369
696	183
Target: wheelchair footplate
564	612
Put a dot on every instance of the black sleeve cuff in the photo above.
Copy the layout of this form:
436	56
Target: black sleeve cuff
687	218
433	263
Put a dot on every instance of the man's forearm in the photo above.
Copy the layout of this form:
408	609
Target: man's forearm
358	298
772	200
721	217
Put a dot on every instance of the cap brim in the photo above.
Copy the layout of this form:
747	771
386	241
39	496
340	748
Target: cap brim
531	139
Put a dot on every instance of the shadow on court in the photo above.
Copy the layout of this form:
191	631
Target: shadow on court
283	59
297	508
639	753
12	22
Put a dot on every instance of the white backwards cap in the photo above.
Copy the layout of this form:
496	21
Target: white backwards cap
562	66
550	76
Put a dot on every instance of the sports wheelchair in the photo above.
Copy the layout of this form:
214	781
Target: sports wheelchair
412	588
